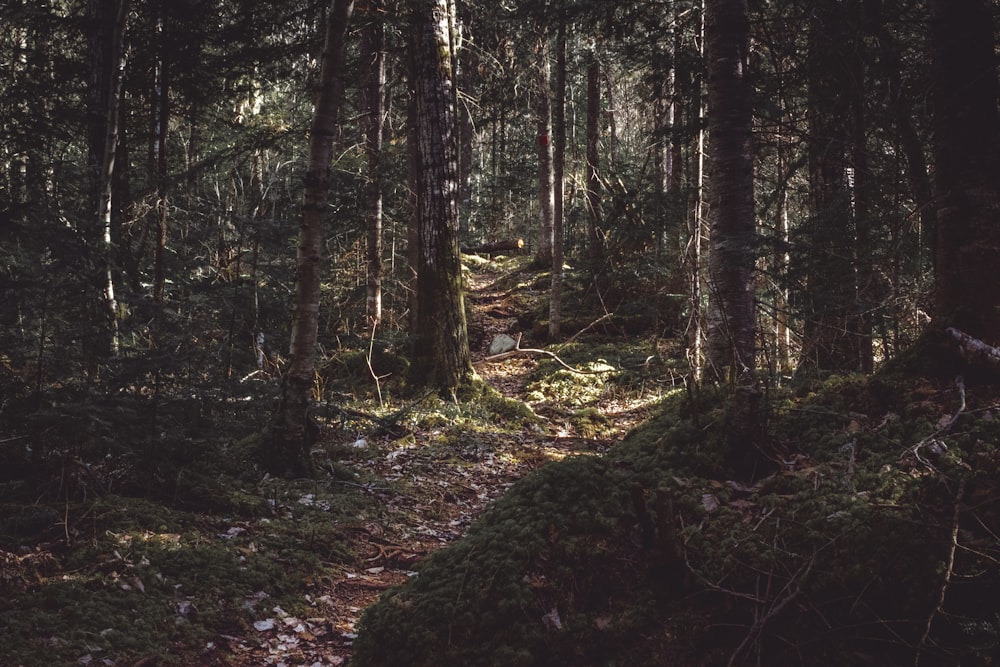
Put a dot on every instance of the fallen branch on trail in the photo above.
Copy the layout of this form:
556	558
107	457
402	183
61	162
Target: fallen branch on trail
518	351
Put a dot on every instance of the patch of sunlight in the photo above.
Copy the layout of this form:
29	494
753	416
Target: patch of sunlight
168	541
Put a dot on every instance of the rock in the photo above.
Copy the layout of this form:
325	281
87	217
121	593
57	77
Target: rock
502	343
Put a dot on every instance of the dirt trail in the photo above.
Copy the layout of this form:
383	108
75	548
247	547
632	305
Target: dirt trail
438	483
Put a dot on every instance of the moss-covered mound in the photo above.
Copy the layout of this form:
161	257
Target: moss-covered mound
873	541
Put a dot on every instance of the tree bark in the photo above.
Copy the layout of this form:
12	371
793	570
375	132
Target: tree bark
967	167
160	120
546	177
441	357
731	313
292	430
108	18
696	207
593	159
558	171
373	108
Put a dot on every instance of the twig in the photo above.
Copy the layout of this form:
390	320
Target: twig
949	569
776	608
368	360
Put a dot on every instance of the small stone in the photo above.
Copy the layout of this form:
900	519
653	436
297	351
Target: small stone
502	343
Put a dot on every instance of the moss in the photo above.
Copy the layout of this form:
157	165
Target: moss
653	554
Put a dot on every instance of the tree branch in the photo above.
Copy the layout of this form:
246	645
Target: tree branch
518	351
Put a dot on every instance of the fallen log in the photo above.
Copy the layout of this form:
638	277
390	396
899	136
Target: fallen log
496	247
973	351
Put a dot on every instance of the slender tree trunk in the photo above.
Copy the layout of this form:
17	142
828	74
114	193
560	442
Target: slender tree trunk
373	106
559	167
697	224
967	167
861	213
160	120
546	177
731	313
108	18
292	431
593	160
441	357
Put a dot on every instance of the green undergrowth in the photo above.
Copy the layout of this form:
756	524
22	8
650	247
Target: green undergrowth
609	369
126	577
839	552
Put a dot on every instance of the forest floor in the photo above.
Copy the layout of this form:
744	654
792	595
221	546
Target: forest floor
436	481
138	528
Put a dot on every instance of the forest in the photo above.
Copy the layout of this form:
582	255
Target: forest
518	333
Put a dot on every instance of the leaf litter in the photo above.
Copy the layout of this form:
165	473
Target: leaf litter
440	480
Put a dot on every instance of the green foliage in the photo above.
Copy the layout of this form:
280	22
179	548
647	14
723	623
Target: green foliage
655	554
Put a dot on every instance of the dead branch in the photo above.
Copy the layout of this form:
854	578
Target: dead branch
949	569
518	351
973	351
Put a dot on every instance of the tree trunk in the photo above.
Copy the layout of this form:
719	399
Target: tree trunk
731	313
108	19
441	357
558	169
967	168
292	430
160	119
546	178
830	328
593	160
373	108
861	213
696	226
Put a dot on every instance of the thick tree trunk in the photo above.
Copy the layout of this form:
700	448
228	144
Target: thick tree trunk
292	430
441	356
546	177
373	106
967	167
731	313
730	353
